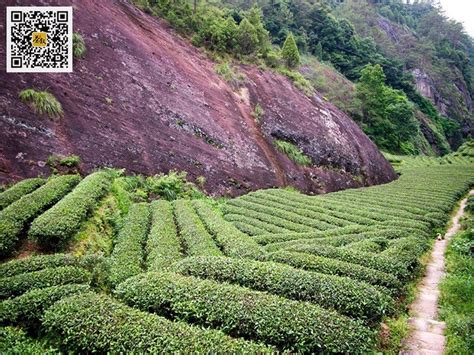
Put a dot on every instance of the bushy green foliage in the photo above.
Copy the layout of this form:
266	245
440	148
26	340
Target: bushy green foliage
57	226
196	239
16	341
290	52
384	264
337	267
388	115
43	103
163	245
78	46
217	29
39	262
298	79
233	242
258	113
127	258
19	284
349	297
18	190
70	161
226	71
16	216
289	325
96	323
172	186
457	293
27	309
293	152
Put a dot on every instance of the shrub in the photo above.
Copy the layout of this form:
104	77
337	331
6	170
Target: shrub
172	186
39	262
163	246
42	102
368	245
349	297
233	242
19	190
336	267
18	284
78	46
128	255
15	217
59	224
226	71
258	113
90	323
290	52
15	341
27	309
289	325
293	152
196	239
70	161
377	262
298	80
407	251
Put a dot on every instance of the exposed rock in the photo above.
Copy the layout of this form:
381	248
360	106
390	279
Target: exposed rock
145	99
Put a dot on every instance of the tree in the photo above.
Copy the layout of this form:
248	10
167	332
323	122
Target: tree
290	52
247	37
318	51
388	114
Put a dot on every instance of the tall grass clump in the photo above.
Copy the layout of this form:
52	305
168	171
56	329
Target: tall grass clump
293	152
43	103
78	46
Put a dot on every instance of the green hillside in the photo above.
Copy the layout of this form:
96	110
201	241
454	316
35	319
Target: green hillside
317	273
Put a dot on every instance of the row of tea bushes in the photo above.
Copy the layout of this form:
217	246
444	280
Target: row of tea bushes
233	242
128	255
19	190
374	261
39	262
337	267
15	218
16	285
27	309
196	239
92	323
16	341
285	216
289	325
58	225
163	245
353	298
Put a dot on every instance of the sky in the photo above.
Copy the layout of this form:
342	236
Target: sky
462	11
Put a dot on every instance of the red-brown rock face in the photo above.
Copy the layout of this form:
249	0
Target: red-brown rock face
146	100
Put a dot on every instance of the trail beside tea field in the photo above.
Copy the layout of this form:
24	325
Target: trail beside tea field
427	333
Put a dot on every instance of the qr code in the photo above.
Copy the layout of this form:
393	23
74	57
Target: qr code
39	39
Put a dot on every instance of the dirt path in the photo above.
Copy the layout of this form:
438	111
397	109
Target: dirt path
427	333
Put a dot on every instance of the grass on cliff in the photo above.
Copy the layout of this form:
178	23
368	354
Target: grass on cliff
43	103
78	46
293	152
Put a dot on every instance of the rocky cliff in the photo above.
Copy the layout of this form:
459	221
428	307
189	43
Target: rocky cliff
145	99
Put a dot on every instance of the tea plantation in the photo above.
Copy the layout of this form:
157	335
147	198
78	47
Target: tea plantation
87	268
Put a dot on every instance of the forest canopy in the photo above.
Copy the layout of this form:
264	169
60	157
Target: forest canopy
351	37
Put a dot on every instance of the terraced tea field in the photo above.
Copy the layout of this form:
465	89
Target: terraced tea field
271	270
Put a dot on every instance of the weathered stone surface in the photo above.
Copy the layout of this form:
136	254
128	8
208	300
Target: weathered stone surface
145	99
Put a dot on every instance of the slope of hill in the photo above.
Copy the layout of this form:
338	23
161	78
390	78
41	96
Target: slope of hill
316	273
145	99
